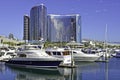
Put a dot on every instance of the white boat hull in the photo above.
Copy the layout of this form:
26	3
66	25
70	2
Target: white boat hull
84	58
80	56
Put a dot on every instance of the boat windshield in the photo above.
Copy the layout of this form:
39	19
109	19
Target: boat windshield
56	53
9	53
49	53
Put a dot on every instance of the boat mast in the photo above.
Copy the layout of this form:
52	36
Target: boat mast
105	44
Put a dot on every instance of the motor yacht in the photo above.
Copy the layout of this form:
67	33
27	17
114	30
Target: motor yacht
34	56
9	49
6	55
60	53
80	55
116	54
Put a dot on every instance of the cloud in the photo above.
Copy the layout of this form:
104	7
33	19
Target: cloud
98	11
102	10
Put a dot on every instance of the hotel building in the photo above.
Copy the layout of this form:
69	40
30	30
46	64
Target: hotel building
53	28
64	28
38	22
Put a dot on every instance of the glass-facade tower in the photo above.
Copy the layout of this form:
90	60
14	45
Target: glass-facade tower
26	27
64	28
38	22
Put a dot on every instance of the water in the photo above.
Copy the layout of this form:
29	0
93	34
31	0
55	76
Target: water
83	71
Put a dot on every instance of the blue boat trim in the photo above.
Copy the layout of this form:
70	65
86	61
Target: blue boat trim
35	63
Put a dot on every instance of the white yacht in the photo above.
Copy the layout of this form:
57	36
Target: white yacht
116	53
60	53
9	49
80	55
33	56
6	55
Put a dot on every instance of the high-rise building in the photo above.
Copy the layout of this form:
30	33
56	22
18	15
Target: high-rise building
26	27
38	22
64	28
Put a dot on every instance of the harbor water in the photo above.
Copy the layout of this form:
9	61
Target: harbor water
83	71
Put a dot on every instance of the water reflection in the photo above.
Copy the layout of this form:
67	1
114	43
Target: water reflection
41	74
54	74
2	67
34	74
83	71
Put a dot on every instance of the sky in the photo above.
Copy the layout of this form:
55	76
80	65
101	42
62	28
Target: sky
95	14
